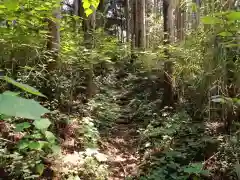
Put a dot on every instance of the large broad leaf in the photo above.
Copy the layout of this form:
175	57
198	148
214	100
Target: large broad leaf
211	20
87	4
11	93
50	136
194	168
11	5
35	145
23	144
24	87
21	126
42	124
225	33
56	149
40	168
20	107
234	15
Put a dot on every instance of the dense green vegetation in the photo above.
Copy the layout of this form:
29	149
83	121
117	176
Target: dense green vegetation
120	89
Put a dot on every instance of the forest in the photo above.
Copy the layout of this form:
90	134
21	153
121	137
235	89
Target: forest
120	89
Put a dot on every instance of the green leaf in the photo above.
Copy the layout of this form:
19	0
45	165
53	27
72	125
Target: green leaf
224	34
36	136
11	93
20	107
194	7
40	168
234	16
95	3
86	4
50	136
211	20
2	7
88	12
34	145
194	168
205	172
24	87
22	144
56	149
43	143
42	124
11	5
21	126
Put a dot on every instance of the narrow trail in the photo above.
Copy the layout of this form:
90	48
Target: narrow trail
121	147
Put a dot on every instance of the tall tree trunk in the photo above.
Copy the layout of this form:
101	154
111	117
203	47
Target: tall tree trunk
179	21
171	20
100	14
88	25
53	48
140	32
231	58
53	43
127	20
76	7
134	24
196	13
168	93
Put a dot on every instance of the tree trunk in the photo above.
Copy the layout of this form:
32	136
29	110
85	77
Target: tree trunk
53	43
88	26
53	48
127	20
76	7
168	94
171	21
196	13
179	21
100	14
133	24
140	29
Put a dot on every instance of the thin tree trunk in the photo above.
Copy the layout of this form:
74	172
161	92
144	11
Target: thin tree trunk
134	23
140	24
53	43
88	26
76	7
127	20
100	14
53	48
168	93
196	13
171	21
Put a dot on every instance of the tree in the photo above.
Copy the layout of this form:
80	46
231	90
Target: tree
180	13
168	94
53	43
127	17
88	26
140	23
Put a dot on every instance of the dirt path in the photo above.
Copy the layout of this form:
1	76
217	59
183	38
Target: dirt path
121	148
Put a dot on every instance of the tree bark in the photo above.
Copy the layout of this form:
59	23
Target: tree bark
88	25
179	21
140	27
127	20
53	43
168	94
134	23
196	13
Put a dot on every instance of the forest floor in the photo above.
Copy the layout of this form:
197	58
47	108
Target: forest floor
121	146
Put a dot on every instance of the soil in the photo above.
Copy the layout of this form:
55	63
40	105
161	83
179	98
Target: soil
121	146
